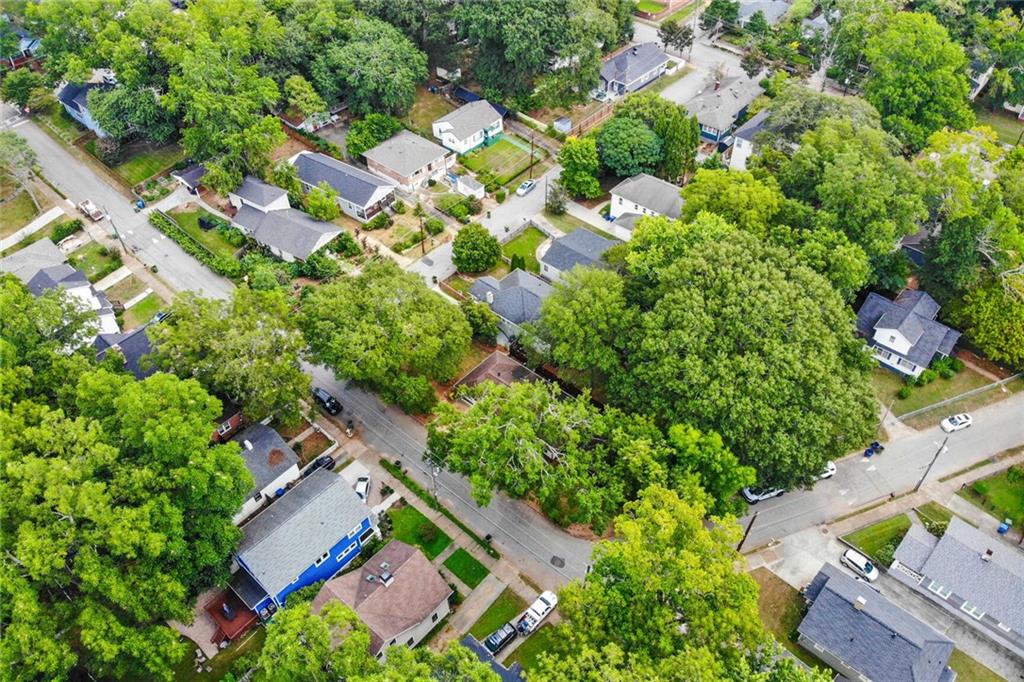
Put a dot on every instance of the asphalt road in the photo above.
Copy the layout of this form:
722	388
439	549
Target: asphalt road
859	481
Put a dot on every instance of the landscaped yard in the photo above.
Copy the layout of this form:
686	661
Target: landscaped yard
507	606
43	233
412	527
525	245
95	260
125	290
782	608
188	216
887	384
16	213
999	495
466	568
142	161
527	653
427	108
505	158
969	670
222	662
1006	125
66	127
142	312
874	540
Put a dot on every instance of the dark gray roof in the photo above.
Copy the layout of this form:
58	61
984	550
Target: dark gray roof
911	313
719	108
406	153
288	229
247	589
286	538
880	640
56	276
349	182
74	94
134	345
633	63
258	192
995	585
915	548
269	457
192	175
579	247
652	193
517	296
512	674
753	126
773	10
25	263
471	118
628	220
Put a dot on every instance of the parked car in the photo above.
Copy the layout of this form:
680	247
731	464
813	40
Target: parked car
859	564
91	210
829	472
957	422
755	495
600	95
525	188
326	401
538	611
363	487
500	638
321	462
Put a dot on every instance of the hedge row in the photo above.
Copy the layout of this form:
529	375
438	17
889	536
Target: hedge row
223	265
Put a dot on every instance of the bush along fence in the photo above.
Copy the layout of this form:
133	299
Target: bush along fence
433	502
222	265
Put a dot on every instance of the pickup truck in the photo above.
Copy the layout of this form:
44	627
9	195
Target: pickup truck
92	210
537	612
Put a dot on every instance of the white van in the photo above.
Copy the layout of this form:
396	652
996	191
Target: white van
859	564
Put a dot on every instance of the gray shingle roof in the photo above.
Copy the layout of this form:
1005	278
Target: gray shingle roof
773	10
75	95
471	118
134	345
289	229
915	548
652	193
349	182
406	153
258	192
293	532
880	640
25	263
955	562
633	63
927	336
752	127
579	247
191	176
517	297
56	276
719	109
270	455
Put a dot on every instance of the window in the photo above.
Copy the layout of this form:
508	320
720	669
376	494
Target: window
938	589
257	496
1004	628
975	612
224	428
433	619
355	531
410	642
323	558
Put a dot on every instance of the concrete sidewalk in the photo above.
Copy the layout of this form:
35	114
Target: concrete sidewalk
34	226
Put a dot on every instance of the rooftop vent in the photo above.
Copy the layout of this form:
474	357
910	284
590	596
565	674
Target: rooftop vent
371	578
490	297
386	578
384	565
248	445
987	556
860	603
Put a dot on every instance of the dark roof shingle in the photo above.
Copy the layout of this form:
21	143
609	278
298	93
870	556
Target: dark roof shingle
579	247
349	182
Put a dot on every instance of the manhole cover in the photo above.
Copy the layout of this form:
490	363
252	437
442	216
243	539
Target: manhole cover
558	562
824	530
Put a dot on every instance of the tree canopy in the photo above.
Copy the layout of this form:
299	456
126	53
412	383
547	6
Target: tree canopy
580	164
475	249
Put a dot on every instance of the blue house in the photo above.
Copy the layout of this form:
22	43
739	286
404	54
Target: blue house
73	97
312	532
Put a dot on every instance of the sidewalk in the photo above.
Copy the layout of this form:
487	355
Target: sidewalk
587	215
34	226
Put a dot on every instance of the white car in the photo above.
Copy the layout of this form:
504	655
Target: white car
525	188
538	611
600	95
829	472
957	422
859	564
755	495
363	487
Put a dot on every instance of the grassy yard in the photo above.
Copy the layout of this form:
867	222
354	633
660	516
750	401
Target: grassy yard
504	158
466	568
969	670
427	108
887	384
16	213
95	260
565	222
142	312
507	606
968	404
650	6
460	284
125	290
782	608
527	653
222	662
66	127
1006	125
525	245
43	233
188	217
872	540
142	161
412	527
934	512
999	496
684	13
665	81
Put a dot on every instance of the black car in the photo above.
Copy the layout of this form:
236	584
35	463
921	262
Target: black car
500	638
321	462
326	401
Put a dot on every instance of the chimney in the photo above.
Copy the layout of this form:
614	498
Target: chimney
248	445
860	603
386	578
987	556
490	297
371	578
718	84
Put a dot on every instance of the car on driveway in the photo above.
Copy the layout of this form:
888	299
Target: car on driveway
600	95
500	638
321	462
755	495
326	401
859	564
525	188
957	422
362	487
829	471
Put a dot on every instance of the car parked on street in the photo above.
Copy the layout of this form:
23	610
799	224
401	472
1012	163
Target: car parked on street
362	487
755	495
859	564
829	472
525	188
500	638
957	422
91	210
326	401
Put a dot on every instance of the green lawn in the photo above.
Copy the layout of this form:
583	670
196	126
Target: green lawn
684	13
887	384
969	670
782	608
459	284
43	233
504	158
95	260
16	213
999	496
142	312
222	662
525	245
410	526
507	606
66	127
1006	125
212	239
427	108
665	81
466	568
125	290
527	653
650	6
871	540
142	161
935	512
968	404
565	222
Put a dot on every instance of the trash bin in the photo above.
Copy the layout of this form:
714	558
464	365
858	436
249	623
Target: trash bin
1004	527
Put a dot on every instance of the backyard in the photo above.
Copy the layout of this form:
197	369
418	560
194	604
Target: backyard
505	158
125	290
466	568
402	235
876	539
143	160
412	527
188	216
782	608
1001	495
887	385
1006	125
507	606
527	653
142	312
461	283
95	260
525	245
427	108
221	664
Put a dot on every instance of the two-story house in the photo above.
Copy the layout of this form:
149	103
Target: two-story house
904	333
638	196
271	462
409	160
469	126
361	195
721	104
73	97
743	140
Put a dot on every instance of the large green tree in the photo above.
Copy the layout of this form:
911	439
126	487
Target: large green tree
580	165
370	131
737	196
475	249
678	131
126	112
627	147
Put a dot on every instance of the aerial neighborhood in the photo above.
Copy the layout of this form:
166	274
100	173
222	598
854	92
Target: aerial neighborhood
512	340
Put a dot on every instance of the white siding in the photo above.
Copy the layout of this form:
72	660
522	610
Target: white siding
252	504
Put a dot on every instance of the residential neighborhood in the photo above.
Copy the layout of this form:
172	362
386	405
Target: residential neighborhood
516	340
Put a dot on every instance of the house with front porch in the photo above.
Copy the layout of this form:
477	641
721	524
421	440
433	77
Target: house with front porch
632	69
721	104
471	125
904	333
409	160
361	195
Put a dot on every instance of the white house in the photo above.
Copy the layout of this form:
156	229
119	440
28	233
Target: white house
638	196
259	195
468	186
271	462
265	214
633	69
469	126
904	333
74	99
361	195
743	140
579	247
409	160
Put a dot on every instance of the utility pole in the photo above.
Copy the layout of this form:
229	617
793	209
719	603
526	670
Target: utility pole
942	448
532	135
114	227
747	531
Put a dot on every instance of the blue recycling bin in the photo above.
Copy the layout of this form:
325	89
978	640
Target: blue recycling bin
1004	527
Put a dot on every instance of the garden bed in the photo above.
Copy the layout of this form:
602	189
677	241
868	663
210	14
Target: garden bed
466	568
878	540
311	447
412	527
215	240
95	260
507	606
504	158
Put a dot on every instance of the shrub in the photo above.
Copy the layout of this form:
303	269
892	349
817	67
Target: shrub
378	222
1015	474
431	182
885	555
346	245
433	226
936	528
482	320
103	251
947	373
518	262
225	266
320	267
465	220
65	230
458	211
108	149
427	532
927	377
231	234
957	364
499	196
399	207
473	205
904	392
980	487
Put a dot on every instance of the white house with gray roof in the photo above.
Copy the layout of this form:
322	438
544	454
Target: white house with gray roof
409	160
721	104
579	247
632	69
469	126
975	575
515	299
271	462
743	140
642	195
361	195
866	637
904	333
264	213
